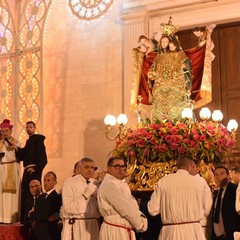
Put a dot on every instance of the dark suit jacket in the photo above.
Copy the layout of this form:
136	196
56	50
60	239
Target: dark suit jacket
46	207
29	223
28	207
231	219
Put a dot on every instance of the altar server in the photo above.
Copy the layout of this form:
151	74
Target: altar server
79	211
177	197
117	206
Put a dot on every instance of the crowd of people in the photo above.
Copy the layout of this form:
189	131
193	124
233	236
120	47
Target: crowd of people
100	205
34	158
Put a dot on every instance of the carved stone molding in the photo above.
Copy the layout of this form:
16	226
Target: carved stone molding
185	13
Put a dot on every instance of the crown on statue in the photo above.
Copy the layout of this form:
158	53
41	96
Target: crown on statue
168	29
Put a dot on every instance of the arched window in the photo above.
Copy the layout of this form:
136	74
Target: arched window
21	40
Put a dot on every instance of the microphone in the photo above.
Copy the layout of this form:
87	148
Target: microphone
8	142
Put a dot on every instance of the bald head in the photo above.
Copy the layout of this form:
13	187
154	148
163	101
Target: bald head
186	162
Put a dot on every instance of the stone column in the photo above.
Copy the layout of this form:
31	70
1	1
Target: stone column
134	25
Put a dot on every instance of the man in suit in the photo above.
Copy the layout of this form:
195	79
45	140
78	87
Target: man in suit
225	218
46	211
35	189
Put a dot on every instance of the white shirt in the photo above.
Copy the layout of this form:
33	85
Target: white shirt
207	198
118	207
219	227
177	197
237	204
75	205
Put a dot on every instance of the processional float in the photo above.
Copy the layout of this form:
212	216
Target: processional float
151	148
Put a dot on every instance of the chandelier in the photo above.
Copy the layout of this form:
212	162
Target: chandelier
110	121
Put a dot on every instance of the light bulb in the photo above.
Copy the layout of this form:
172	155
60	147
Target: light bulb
122	119
187	113
232	125
110	120
217	116
205	113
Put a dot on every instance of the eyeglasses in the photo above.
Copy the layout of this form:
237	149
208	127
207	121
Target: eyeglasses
35	186
118	166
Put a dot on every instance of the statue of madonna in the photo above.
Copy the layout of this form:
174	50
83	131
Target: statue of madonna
172	80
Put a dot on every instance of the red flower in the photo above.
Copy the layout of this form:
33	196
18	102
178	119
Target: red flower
168	138
140	143
163	148
196	137
203	137
131	153
193	144
131	142
174	130
173	146
164	141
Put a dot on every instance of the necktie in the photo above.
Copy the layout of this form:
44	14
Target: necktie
45	195
218	206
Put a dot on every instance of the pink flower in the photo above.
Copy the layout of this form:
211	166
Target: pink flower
229	143
143	132
146	152
174	130
181	126
176	138
149	135
187	141
211	130
203	137
194	131
168	138
208	145
196	136
162	133
173	146
140	143
131	142
165	141
153	141
163	148
193	144
221	142
182	150
156	148
131	153
169	124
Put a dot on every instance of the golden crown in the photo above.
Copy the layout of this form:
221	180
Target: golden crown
168	28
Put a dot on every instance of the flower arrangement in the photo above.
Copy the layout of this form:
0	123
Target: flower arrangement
164	141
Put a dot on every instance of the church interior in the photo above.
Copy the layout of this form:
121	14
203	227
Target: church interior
66	70
80	70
